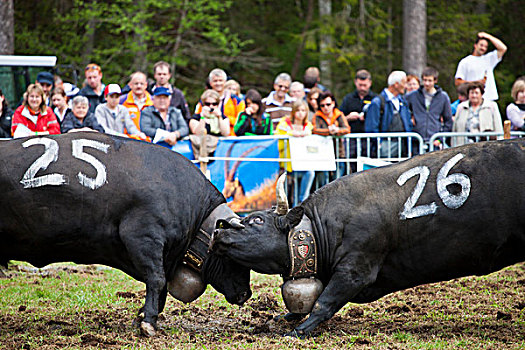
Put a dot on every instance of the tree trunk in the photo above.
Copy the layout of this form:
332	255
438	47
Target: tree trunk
325	11
178	38
390	46
7	31
414	36
300	48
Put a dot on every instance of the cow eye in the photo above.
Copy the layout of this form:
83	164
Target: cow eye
256	220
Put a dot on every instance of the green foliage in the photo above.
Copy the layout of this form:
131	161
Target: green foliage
255	40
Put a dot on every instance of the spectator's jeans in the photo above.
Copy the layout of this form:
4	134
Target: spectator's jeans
305	180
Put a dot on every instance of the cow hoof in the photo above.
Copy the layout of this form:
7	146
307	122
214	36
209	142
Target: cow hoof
296	334
147	329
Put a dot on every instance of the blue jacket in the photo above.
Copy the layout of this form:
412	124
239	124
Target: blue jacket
150	121
373	118
429	122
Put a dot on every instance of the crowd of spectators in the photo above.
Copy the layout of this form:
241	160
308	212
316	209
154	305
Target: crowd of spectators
159	110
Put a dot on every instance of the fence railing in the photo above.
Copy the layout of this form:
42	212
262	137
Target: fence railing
373	145
452	139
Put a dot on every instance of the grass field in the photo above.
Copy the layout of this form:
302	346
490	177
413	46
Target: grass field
70	306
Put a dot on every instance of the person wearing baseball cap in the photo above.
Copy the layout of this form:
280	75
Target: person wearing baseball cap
161	121
114	117
46	81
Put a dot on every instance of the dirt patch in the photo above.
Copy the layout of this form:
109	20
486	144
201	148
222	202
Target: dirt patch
461	313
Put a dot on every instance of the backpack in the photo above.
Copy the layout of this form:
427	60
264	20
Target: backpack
381	110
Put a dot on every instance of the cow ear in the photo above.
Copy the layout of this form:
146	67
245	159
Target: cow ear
295	216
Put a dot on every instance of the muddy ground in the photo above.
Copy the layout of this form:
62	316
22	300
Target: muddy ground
474	312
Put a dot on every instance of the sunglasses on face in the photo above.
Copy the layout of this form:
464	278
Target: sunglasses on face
325	105
209	104
285	87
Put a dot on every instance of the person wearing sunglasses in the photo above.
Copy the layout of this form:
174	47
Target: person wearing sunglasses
210	118
230	105
94	88
330	121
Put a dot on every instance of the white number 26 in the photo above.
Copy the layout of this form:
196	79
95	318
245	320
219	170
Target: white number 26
450	200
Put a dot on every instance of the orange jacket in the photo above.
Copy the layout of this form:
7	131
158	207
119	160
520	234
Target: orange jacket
133	109
321	123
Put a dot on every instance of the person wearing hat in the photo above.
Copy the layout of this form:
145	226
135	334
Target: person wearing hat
46	81
94	89
161	121
113	117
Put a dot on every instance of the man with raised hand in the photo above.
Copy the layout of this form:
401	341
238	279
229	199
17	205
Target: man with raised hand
479	66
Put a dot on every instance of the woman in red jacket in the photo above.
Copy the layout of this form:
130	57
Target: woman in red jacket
33	117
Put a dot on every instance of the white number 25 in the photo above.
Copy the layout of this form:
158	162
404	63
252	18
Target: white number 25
450	200
30	180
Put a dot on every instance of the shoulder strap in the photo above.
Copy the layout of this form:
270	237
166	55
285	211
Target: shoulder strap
381	110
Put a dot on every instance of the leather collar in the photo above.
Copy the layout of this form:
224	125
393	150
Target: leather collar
197	252
303	250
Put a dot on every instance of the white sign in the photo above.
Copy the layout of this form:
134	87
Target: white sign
312	153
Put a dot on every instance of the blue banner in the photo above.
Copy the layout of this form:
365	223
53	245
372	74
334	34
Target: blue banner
247	185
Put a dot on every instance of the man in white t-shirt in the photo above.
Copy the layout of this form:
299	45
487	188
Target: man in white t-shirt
480	65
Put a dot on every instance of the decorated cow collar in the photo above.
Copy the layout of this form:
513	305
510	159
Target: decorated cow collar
303	250
198	250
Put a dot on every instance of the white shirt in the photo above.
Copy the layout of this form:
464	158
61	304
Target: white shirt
475	67
394	99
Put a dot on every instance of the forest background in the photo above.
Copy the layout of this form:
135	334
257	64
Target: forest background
254	40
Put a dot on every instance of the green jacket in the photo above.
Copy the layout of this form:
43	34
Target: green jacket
246	125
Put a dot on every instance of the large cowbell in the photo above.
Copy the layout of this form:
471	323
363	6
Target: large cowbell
186	285
301	290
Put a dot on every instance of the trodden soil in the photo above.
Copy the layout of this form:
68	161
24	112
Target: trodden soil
475	312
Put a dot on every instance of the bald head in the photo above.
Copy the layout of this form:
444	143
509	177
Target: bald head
138	84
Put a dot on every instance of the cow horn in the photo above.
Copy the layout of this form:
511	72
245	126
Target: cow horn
282	201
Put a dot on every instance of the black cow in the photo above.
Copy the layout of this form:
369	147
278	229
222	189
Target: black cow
93	198
431	218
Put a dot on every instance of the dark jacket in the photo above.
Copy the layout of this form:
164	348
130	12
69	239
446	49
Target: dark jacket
428	122
376	123
94	99
353	103
5	122
177	100
150	121
71	122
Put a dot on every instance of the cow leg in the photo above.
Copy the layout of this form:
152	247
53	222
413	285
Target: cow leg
336	294
162	298
290	317
146	253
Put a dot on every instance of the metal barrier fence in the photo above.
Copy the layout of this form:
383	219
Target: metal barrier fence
390	147
452	139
